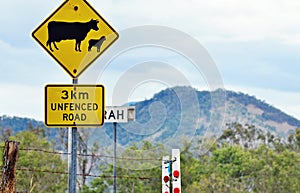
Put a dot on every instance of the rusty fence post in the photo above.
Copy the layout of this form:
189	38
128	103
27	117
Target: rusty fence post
10	157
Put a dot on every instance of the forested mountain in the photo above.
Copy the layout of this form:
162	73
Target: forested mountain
17	124
13	125
173	112
185	111
242	145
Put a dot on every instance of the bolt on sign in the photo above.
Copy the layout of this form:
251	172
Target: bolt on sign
74	105
75	35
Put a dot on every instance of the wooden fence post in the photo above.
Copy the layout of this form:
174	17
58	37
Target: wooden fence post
10	158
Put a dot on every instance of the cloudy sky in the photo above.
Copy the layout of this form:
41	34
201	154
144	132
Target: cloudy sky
254	44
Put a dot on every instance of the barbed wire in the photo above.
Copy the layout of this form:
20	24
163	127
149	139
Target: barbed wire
84	175
90	155
20	168
44	151
123	158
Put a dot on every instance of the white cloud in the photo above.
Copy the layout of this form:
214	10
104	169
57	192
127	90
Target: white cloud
231	20
21	100
212	22
29	66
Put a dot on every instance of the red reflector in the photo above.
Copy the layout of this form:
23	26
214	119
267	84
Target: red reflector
176	190
176	173
166	179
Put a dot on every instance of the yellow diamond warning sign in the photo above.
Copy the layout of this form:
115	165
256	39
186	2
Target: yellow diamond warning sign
74	105
75	35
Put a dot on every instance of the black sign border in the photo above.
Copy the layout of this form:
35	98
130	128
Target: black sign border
74	124
61	64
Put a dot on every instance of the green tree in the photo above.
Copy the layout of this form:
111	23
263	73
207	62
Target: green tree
266	165
136	172
294	140
36	170
5	134
243	160
276	171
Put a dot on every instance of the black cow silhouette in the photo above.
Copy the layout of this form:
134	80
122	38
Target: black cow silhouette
96	43
78	31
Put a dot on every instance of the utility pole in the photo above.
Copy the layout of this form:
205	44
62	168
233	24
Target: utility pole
11	150
175	176
166	174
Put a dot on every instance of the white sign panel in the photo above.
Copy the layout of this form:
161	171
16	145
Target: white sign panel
119	114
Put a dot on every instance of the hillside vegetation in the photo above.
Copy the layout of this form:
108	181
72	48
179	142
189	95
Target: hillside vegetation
173	112
170	110
241	160
230	142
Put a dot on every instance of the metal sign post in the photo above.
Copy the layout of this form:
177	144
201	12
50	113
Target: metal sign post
114	115
72	159
115	157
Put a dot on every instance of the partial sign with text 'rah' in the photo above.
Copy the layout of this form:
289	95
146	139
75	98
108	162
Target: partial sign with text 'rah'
74	105
119	114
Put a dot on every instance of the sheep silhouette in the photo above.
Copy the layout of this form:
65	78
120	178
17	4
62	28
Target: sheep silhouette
96	43
58	31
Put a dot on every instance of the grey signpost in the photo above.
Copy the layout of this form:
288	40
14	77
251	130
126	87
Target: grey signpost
114	115
115	157
72	160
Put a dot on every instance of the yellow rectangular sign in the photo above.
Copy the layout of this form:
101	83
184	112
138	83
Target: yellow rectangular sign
74	105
